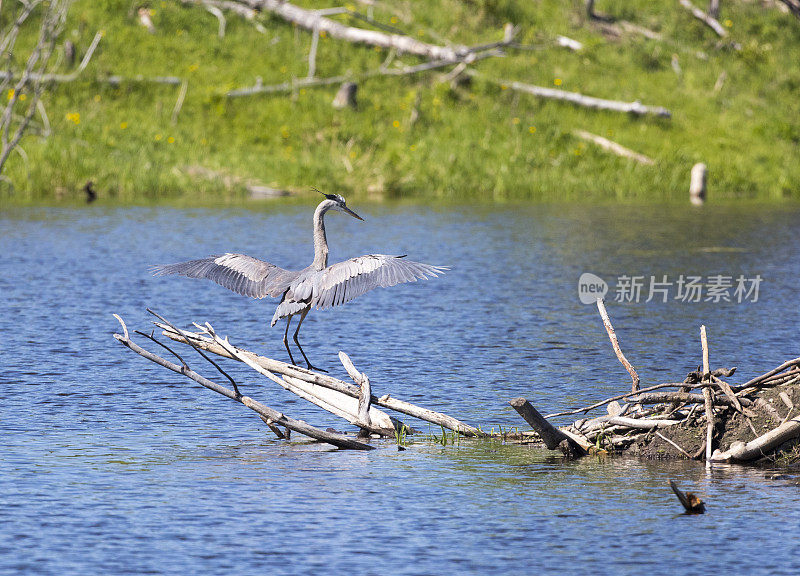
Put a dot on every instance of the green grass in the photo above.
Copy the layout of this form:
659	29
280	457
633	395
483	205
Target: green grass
475	141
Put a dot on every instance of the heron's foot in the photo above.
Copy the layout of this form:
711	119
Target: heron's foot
315	369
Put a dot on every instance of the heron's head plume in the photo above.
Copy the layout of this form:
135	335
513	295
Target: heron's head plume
338	203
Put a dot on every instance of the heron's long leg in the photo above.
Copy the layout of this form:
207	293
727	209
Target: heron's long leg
286	339
303	315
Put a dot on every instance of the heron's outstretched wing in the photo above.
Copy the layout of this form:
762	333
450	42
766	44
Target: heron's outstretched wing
243	274
344	281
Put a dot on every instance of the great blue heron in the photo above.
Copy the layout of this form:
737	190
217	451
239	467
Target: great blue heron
318	285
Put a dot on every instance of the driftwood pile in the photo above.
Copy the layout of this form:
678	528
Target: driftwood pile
703	417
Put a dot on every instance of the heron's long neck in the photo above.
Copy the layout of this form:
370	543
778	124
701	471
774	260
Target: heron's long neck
320	241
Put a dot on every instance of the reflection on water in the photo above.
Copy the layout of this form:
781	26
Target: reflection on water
111	465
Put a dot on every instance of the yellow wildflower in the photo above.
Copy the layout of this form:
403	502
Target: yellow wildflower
396	124
123	125
10	93
532	129
557	81
171	139
158	137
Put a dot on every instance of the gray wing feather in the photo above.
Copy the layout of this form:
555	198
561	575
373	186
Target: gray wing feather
237	272
346	280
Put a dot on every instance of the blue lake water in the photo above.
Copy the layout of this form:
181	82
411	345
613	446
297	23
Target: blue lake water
111	465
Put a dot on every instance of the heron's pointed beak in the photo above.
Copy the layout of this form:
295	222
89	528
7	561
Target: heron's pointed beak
353	214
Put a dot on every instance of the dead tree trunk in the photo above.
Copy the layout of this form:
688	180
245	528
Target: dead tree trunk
312	20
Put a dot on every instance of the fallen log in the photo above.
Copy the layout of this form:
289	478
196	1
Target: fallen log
712	23
635	108
683	397
623	422
314	21
275	366
272	417
761	446
613	147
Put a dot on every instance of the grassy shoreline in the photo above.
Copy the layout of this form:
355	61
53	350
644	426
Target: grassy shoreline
476	141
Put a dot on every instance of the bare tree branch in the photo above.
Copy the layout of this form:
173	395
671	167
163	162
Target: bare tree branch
29	84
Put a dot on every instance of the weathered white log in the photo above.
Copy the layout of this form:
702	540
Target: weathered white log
276	366
697	185
335	402
712	23
612	146
579	439
311	20
263	410
615	344
637	423
636	108
761	446
374	420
